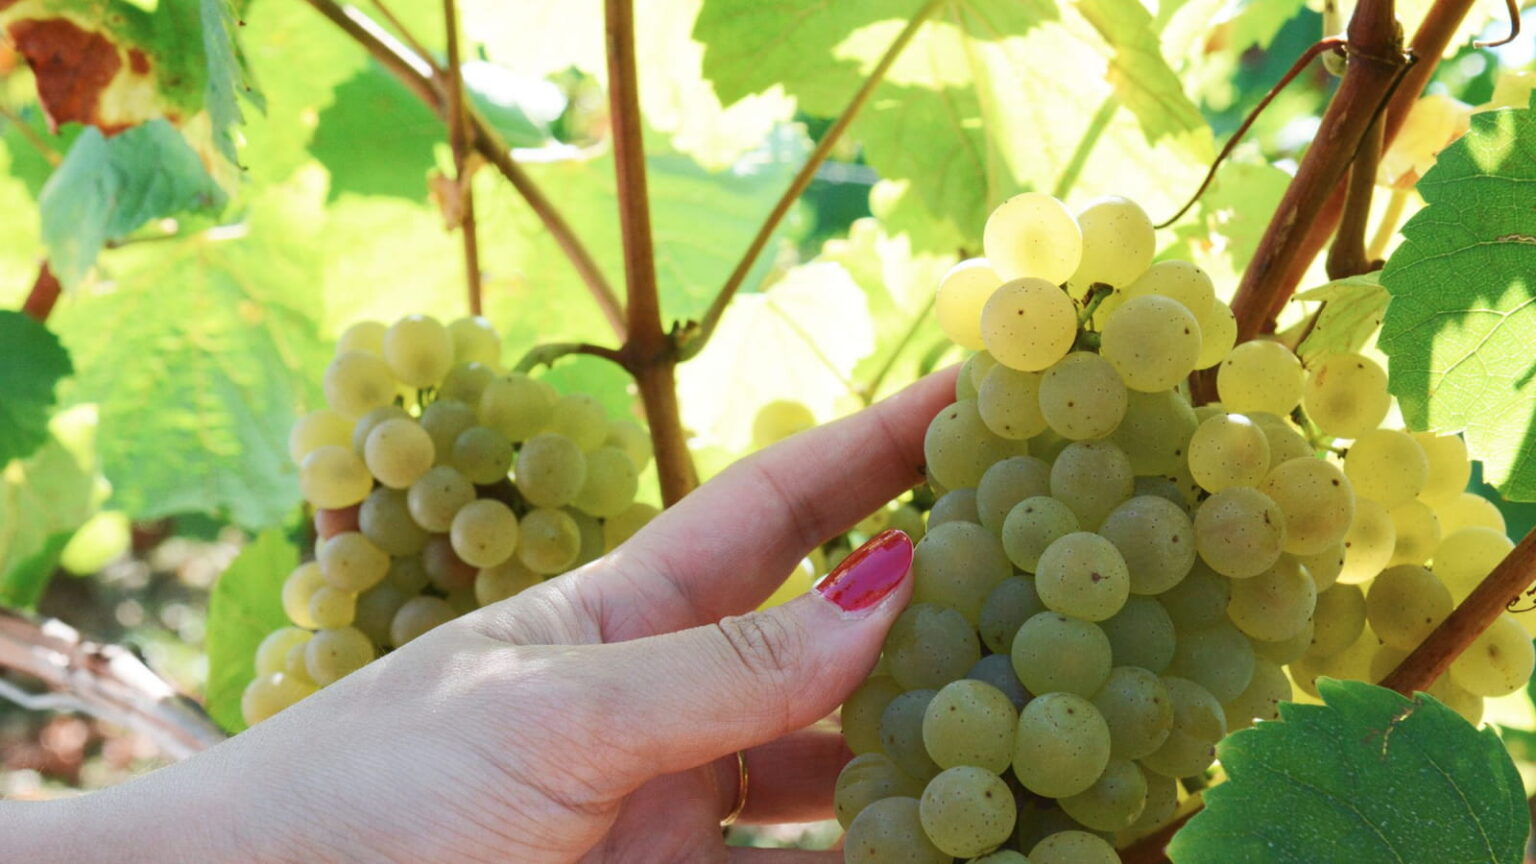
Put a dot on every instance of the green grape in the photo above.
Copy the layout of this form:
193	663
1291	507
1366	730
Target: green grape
1073	847
370	421
1054	653
334	653
105	537
375	609
1338	620
268	694
1156	539
1449	468
1082	397
444	567
1083	575
1369	543
1240	532
1260	376
1318	502
1156	431
398	452
272	653
1138	710
1152	341
632	439
867	778
1176	280
1118	242
1417	530
444	421
507	579
351	562
627	523
1002	856
1114	801
315	430
482	455
1228	450
970	723
1199	600
960	297
1498	662
1285	442
778	420
418	615
909	519
1286	650
1219	658
1464	558
365	336
356	383
418	350
964	389
1093	478
959	447
1007	483
1405	603
1469	705
1039	818
294	666
1387	466
1276	604
1164	488
1346	395
298	588
1198	723
474	341
967	810
1062	745
1351	664
465	383
1218	333
516	406
1162	804
591	529
978	366
1324	566
580	418
956	506
1467	510
1033	235
1011	602
611	484
1028	324
890	831
484	533
930	646
862	709
332	477
437	496
997	670
1009	403
385	519
551	469
901	733
330	606
1141	634
549	541
1261	700
1032	525
409	575
957	565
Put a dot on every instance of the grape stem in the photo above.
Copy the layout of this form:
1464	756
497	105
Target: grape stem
44	294
547	354
461	206
1347	256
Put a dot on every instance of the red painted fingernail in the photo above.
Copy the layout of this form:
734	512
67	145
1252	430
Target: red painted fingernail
869	573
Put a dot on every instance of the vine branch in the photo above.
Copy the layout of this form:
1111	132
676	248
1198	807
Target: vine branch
1348	256
43	296
462	207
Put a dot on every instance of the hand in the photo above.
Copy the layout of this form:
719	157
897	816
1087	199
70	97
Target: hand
595	717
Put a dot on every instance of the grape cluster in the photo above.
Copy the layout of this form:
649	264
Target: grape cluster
440	483
1113	579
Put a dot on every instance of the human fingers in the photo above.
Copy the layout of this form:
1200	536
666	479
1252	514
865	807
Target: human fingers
789	779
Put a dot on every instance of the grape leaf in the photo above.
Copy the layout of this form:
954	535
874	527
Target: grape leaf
245	605
31	364
1141	77
107	187
1351	312
1370	776
43	499
227	75
1462	318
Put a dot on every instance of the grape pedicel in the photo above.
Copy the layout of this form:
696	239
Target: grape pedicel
870	573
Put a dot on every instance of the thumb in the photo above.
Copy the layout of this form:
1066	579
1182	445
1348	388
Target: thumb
695	695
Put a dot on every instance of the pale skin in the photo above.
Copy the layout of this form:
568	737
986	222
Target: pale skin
593	718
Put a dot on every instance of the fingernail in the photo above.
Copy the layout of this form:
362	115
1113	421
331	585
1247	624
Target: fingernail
869	573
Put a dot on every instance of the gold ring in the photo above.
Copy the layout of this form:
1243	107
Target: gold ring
741	791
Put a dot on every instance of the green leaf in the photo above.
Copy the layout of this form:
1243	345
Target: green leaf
1368	777
107	187
246	605
1142	78
1462	320
228	77
1352	311
31	364
43	499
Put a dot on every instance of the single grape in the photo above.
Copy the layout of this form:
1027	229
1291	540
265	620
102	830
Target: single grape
956	506
356	383
1114	800
444	567
1033	235
1031	526
1369	543
957	565
1199	600
351	562
268	694
409	575
474	341
1162	804
1324	566
1466	510
1157	540
1261	700
1118	242
1028	324
867	778
332	654
272	653
1141	634
1138	710
507	579
1009	403
959	447
1387	466
1055	653
318	429
330	606
1219	658
370	421
901	733
443	421
1082	397
418	350
1346	395
1218	333
1338	620
1002	856
890	831
484	533
1062	745
1276	604
1449	468
516	406
365	336
1176	280
1498	662
398	452
862	709
929	646
1240	532
1152	341
298	588
1198	723
632	439
329	523
967	810
580	418
333	477
1084	576
482	455
549	540
1092	478
1156	430
1285	441
625	525
1010	603
1073	847
1465	558
1228	450
551	470
970	723
997	670
1417	530
1286	650
1405	603
385	519
437	497
418	615
1318	502
1260	376
465	383
375	611
960	297
1007	483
